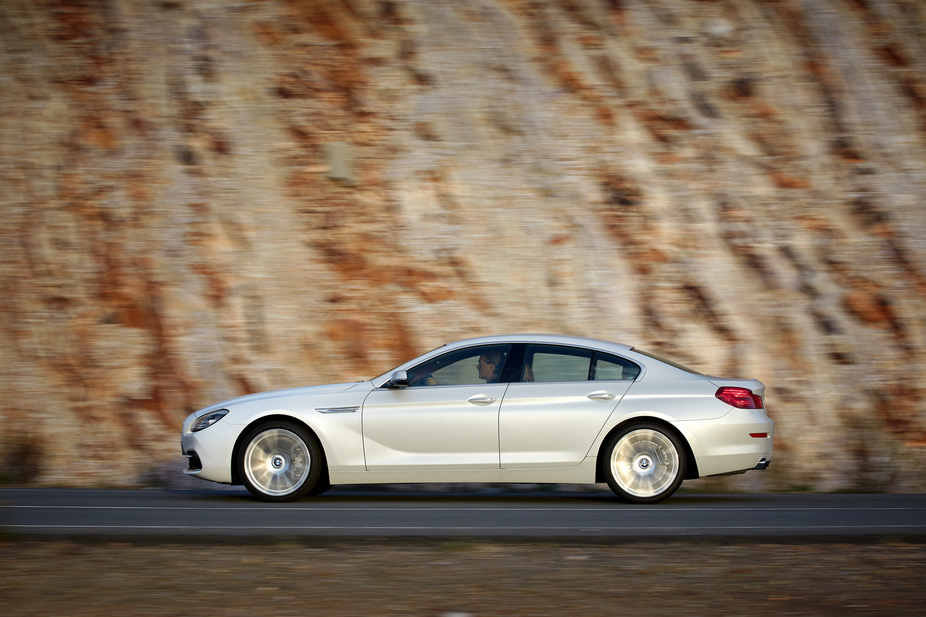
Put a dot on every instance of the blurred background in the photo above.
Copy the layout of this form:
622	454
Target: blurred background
207	198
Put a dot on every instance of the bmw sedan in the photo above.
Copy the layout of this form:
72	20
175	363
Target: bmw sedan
521	408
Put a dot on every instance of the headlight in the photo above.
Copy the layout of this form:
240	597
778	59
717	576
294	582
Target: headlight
208	420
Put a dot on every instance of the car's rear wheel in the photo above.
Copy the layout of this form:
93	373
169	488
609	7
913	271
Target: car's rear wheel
644	463
279	461
322	486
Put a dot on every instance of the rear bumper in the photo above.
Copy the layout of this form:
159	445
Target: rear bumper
725	445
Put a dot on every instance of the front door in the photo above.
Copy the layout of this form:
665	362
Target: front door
440	427
446	419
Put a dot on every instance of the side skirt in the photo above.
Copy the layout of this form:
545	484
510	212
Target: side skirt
583	473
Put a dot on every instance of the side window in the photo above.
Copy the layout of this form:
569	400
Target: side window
473	365
613	368
553	363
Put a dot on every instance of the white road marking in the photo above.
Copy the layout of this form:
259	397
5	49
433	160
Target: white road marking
445	528
616	508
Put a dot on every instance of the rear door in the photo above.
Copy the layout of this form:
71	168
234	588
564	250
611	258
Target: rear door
565	396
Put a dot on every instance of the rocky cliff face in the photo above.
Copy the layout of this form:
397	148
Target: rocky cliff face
203	199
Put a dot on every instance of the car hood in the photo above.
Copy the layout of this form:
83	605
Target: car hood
289	392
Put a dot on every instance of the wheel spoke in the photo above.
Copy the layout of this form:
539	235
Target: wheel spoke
277	462
644	462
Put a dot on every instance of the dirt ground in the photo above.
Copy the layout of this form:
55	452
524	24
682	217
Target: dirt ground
461	579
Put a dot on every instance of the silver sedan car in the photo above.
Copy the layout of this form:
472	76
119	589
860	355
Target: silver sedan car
520	408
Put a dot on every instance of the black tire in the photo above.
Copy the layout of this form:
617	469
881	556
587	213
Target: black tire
280	461
644	463
322	486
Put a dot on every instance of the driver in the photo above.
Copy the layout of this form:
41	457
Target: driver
488	368
490	365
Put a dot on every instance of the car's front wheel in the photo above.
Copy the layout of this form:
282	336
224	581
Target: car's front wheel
279	461
644	463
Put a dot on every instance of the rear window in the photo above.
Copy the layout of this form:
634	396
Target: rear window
554	363
664	360
549	363
612	368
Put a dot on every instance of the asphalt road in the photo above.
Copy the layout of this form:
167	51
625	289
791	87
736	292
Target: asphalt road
499	513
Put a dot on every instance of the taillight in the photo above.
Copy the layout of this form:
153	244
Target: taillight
741	398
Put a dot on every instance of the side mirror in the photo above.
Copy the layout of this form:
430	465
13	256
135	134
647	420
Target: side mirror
399	380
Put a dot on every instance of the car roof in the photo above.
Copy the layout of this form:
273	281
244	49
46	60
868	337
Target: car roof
550	339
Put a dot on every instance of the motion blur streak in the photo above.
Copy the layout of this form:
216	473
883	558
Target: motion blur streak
205	199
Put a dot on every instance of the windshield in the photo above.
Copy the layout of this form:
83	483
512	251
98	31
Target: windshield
390	372
661	359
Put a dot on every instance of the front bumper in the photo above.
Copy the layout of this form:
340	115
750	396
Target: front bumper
211	448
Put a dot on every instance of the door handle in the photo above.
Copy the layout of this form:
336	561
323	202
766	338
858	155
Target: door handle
601	395
480	399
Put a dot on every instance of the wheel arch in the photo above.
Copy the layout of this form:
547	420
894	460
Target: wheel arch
691	463
276	418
